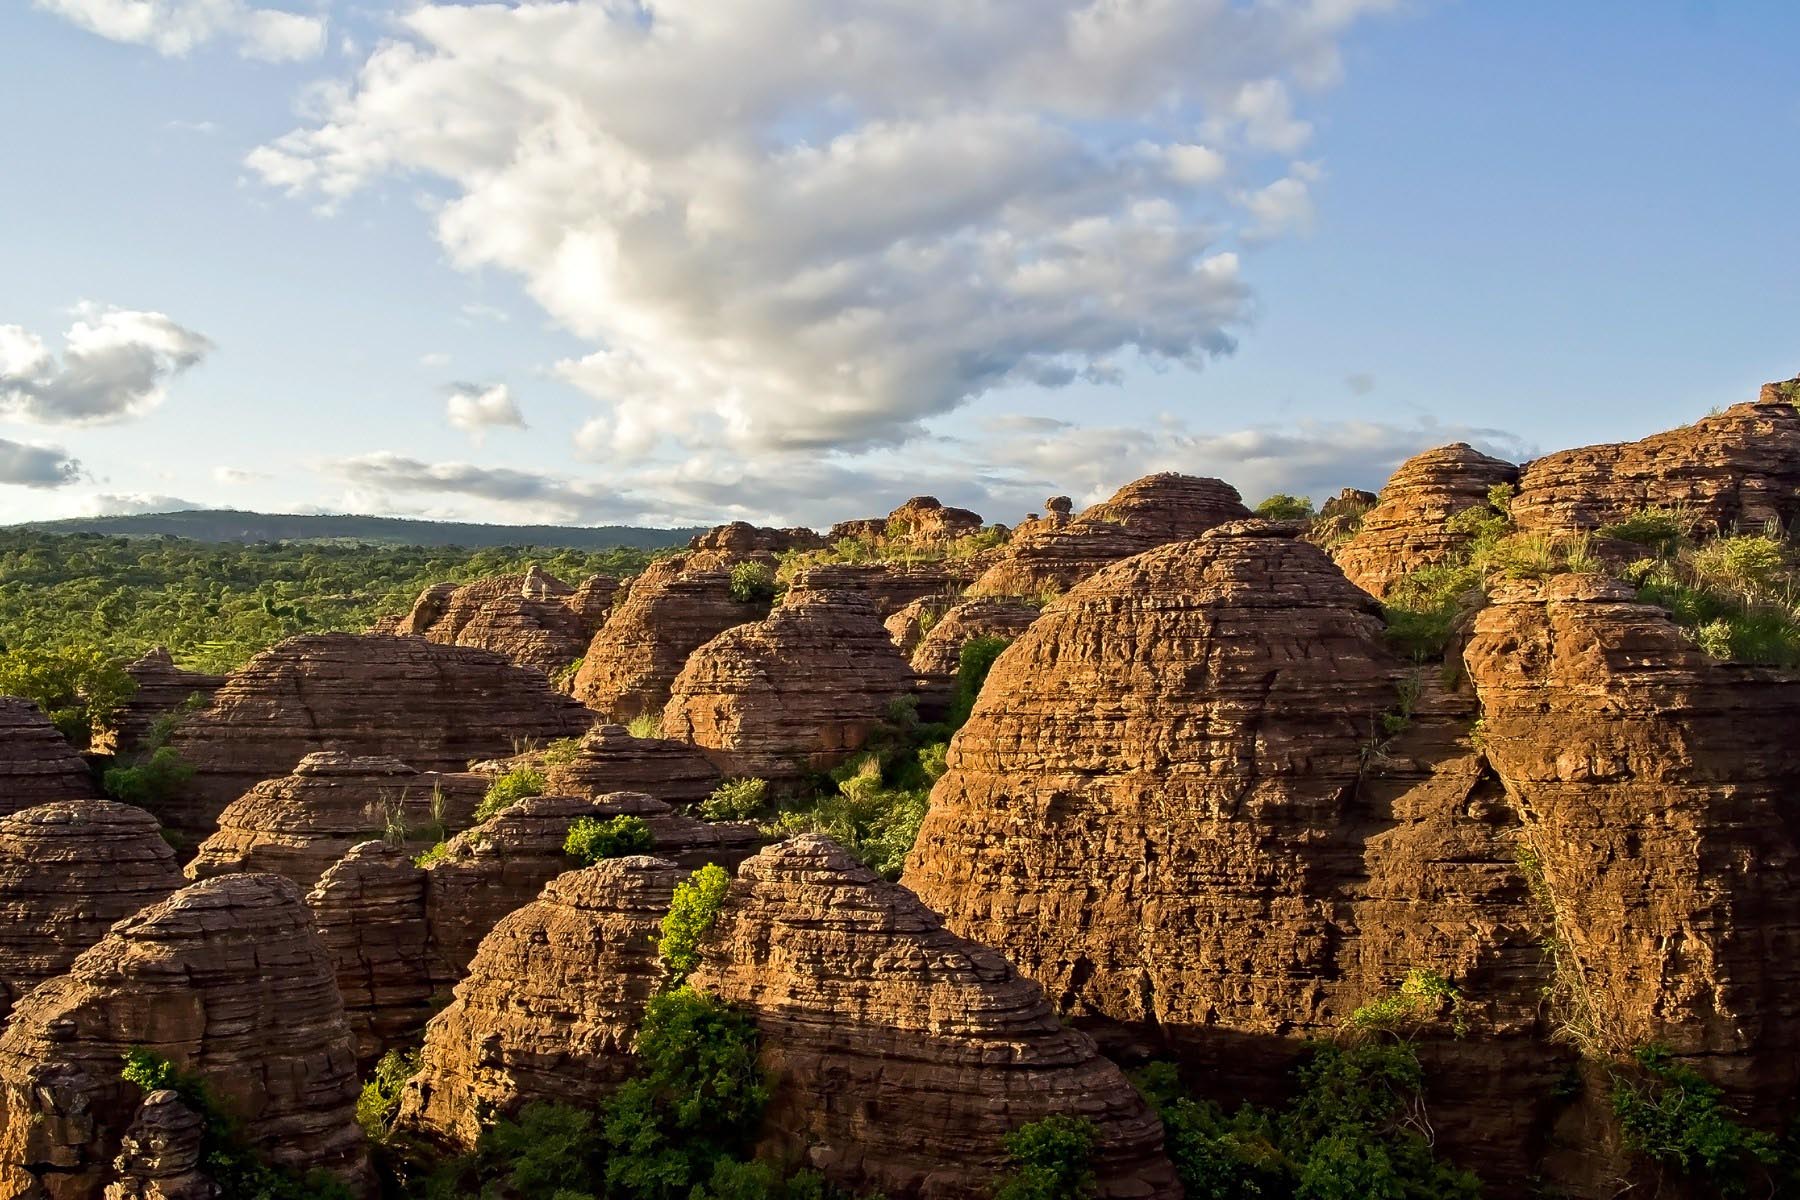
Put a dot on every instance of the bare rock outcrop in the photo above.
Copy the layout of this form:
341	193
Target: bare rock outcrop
902	1054
163	690
68	871
227	979
299	825
921	520
436	708
938	656
676	606
370	911
534	619
1740	467
741	537
893	585
796	693
159	1156
1055	554
608	760
37	764
550	1005
909	623
1405	529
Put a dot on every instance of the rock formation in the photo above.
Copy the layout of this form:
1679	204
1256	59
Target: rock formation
550	1005
921	520
741	537
939	654
227	979
535	619
436	708
608	760
301	824
163	690
1405	529
37	764
902	1054
891	586
907	624
370	910
1053	555
796	693
68	871
1740	467
676	606
159	1157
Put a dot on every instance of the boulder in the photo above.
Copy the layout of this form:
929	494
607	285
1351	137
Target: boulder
608	759
1405	529
938	657
163	690
907	624
227	979
921	520
1053	555
68	871
901	1054
550	1005
436	708
37	764
299	825
797	693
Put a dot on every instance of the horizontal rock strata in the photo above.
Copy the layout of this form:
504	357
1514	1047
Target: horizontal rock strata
1405	531
37	764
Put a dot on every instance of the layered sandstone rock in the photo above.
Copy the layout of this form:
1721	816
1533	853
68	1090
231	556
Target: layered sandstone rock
902	1055
535	619
908	624
550	1005
676	606
370	911
37	764
741	537
436	708
299	825
1405	529
608	759
159	1156
1740	467
67	872
939	654
1053	555
592	600
921	520
1656	787
163	690
227	979
892	586
797	693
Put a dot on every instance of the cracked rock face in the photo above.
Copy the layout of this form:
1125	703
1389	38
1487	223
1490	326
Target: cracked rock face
902	1054
37	764
227	979
1405	531
159	1156
550	1005
435	708
68	871
608	759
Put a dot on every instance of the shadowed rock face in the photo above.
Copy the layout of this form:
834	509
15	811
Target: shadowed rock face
1738	467
162	689
159	1158
938	655
226	978
609	760
299	825
435	708
67	872
551	1003
891	586
37	764
1405	530
1055	553
796	693
535	619
902	1055
676	606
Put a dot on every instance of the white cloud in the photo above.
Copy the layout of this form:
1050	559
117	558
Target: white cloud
527	495
236	476
175	27
485	312
115	364
812	225
1285	206
476	408
133	504
26	465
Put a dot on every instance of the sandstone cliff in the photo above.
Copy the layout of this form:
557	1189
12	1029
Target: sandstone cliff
938	656
535	619
37	764
1405	529
608	759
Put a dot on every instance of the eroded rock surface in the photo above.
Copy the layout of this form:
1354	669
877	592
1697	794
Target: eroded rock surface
741	537
1405	529
608	759
37	764
370	911
938	656
534	619
159	1157
164	690
227	979
902	1054
551	1003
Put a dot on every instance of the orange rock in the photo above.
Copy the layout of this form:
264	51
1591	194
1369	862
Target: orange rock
1405	530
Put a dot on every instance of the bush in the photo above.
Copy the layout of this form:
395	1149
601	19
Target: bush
1661	527
645	725
592	840
973	664
149	783
1283	507
753	583
547	1150
1670	1114
1749	566
79	688
736	800
696	906
1052	1159
506	791
380	1097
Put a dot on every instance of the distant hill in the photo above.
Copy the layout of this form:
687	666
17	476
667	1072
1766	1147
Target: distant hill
225	525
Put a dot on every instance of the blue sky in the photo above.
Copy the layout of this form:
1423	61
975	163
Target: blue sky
1525	224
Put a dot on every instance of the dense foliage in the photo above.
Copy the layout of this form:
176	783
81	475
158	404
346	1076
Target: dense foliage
691	915
216	605
1052	1159
518	784
1283	507
78	686
592	840
380	1097
1672	1116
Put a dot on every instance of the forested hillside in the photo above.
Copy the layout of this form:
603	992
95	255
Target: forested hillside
229	525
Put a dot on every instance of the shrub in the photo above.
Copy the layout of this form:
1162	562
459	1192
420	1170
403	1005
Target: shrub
150	782
973	664
1670	1114
561	752
547	1150
79	688
696	906
1051	1159
592	840
506	791
934	760
1661	527
645	725
1750	566
1283	507
563	678
380	1097
736	800
753	583
436	854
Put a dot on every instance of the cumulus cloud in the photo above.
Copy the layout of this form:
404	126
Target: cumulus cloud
476	408
133	504
813	225
529	494
115	364
32	466
175	27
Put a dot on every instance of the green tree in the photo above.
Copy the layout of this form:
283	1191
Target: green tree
79	687
696	906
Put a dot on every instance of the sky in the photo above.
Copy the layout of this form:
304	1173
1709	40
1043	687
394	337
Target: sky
677	262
